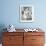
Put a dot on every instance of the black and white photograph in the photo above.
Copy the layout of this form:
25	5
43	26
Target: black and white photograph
26	13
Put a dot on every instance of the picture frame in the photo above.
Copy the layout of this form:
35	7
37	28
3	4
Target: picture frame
26	13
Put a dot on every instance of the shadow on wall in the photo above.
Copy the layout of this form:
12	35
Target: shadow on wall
2	26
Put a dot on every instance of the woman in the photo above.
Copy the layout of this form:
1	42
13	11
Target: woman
26	13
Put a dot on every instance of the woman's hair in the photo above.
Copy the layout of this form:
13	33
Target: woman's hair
24	8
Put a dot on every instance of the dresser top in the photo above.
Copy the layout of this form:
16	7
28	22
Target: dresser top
22	30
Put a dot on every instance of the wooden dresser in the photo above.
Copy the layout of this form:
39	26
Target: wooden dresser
23	38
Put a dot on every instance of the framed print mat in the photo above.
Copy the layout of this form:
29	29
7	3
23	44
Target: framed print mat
26	13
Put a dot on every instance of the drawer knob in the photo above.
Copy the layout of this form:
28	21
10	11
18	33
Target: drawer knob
33	39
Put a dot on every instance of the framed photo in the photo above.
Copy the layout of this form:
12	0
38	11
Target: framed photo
26	13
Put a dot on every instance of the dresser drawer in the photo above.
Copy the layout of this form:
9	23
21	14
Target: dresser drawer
37	39
13	44
34	33
13	33
12	39
8	45
27	41
37	44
